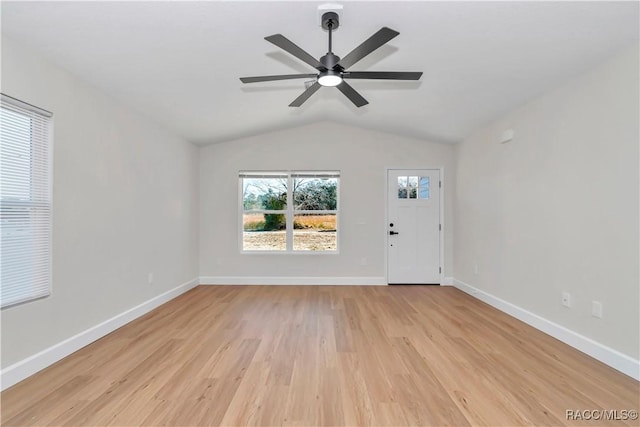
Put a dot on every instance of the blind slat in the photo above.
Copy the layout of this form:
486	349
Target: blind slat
315	175
262	175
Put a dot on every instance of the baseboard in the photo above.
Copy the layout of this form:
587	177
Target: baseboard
285	280
32	364
447	281
601	352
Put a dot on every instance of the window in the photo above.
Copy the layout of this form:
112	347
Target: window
289	211
413	187
25	202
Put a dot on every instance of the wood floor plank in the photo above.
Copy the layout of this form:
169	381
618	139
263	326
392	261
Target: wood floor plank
245	408
357	403
326	356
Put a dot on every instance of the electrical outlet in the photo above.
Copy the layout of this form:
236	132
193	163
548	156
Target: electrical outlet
596	309
566	299
363	261
475	268
150	278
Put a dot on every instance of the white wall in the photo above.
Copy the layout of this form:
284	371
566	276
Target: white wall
125	204
360	155
556	209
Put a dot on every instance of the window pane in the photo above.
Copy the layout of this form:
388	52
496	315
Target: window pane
423	190
264	232
413	187
315	194
264	193
402	187
315	232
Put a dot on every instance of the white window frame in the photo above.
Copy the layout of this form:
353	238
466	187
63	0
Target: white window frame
33	281
289	212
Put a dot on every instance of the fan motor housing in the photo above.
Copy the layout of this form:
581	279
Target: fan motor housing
330	60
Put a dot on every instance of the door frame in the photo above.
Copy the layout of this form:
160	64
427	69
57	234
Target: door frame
386	218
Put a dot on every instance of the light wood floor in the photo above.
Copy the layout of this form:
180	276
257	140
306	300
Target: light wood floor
306	356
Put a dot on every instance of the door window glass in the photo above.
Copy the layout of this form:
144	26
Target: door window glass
423	188
402	187
413	187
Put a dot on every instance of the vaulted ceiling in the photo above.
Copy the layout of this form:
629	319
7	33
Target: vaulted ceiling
179	62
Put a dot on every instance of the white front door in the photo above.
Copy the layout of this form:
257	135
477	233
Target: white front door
413	228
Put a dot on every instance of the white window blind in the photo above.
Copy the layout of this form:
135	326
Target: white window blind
25	202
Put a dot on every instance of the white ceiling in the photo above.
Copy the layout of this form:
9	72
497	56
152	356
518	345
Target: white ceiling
179	62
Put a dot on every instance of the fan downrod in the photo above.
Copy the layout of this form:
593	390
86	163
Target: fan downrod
330	22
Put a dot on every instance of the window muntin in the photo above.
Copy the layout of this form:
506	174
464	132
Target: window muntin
25	202
289	212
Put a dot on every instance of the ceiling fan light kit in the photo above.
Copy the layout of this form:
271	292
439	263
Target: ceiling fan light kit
331	68
329	78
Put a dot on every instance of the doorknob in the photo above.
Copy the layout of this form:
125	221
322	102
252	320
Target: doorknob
393	233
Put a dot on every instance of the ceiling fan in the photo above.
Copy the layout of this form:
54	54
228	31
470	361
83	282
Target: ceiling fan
332	71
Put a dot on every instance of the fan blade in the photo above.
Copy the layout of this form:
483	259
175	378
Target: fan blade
351	93
305	95
280	77
385	75
284	43
372	43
